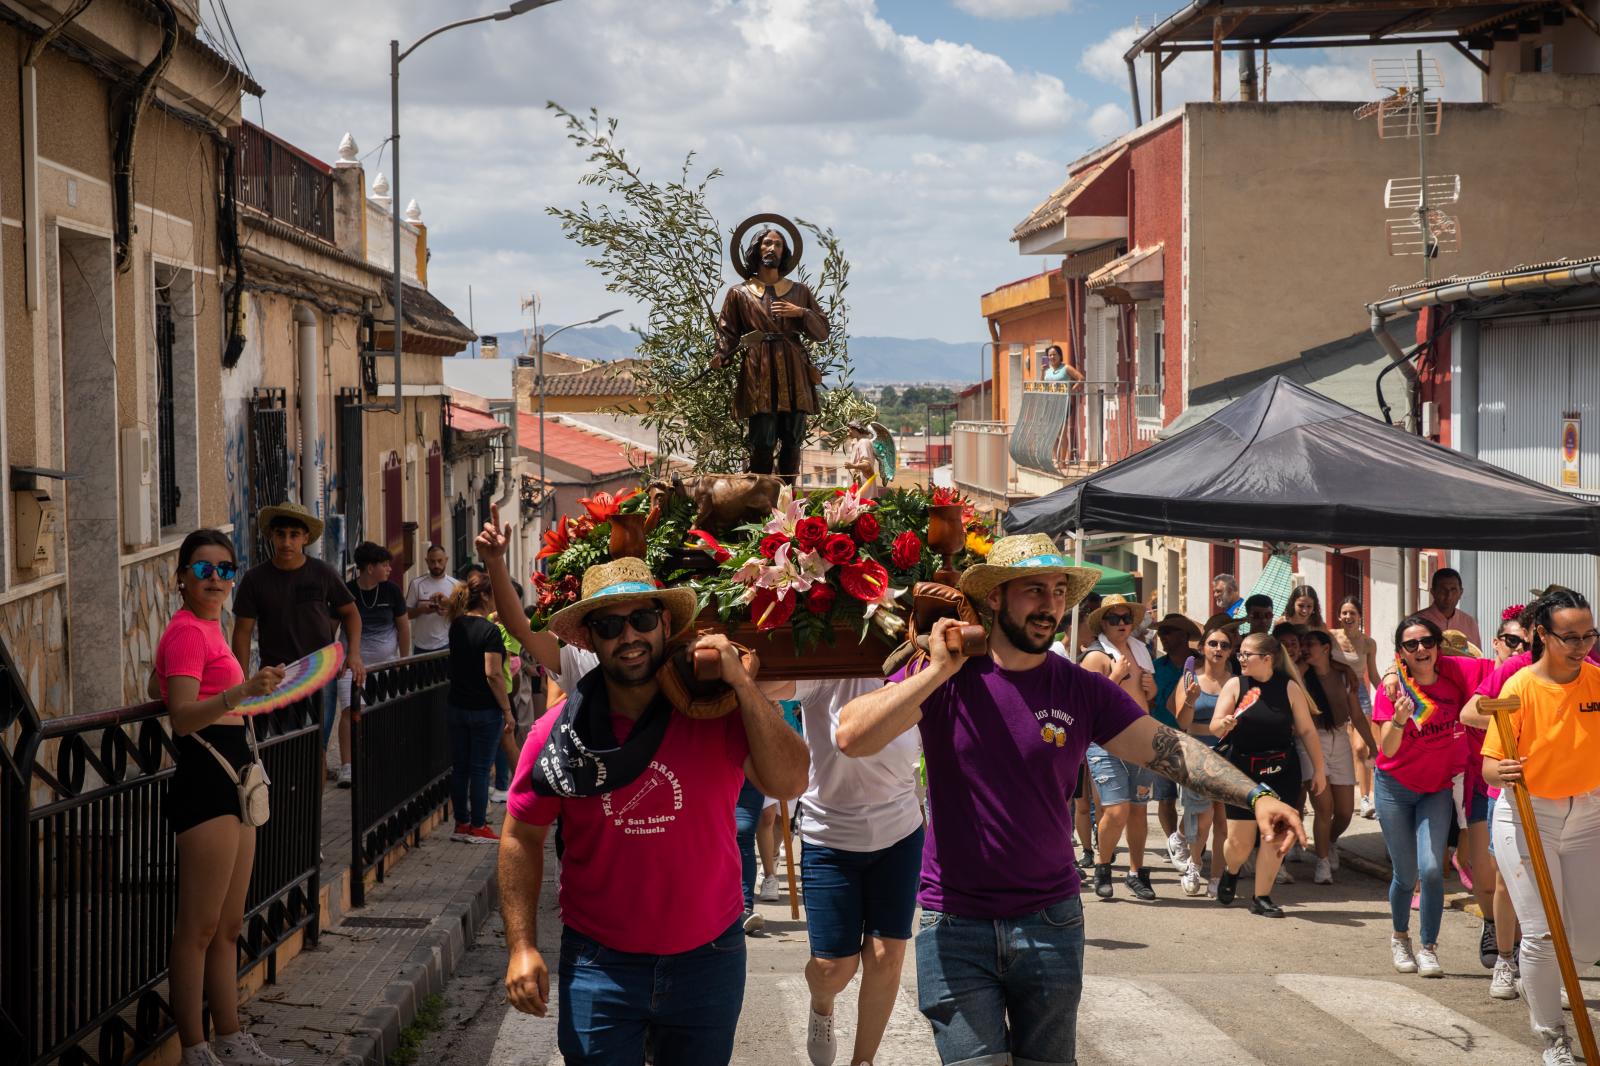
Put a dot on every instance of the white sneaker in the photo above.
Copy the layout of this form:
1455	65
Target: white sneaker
1367	809
1428	963
1557	1050
753	922
343	780
1333	858
499	795
1284	876
1404	961
241	1048
1503	982
1212	886
199	1055
1191	881
1324	874
1178	852
769	889
819	1040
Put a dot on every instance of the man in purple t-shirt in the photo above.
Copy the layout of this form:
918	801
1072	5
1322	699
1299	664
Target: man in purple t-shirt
1000	950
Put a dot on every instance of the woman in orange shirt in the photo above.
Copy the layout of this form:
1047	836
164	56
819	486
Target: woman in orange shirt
1557	731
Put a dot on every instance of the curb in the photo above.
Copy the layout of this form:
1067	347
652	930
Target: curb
424	973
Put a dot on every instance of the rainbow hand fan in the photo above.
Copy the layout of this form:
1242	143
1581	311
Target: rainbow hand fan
301	678
1425	704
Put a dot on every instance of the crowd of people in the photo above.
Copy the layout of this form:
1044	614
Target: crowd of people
925	799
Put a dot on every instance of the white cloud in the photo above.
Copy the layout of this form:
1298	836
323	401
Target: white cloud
1014	9
921	153
1110	121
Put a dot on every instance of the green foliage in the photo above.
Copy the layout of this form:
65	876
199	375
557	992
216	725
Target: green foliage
660	245
429	1019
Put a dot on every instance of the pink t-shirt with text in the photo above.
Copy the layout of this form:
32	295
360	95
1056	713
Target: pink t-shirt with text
1430	756
652	867
194	647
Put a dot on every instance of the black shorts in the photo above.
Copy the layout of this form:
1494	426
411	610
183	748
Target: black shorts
201	789
1279	771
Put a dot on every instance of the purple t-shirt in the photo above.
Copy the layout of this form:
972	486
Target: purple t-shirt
1003	751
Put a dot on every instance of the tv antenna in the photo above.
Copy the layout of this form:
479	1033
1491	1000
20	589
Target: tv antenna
1414	109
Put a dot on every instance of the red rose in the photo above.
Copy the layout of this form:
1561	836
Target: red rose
809	533
865	580
769	611
907	550
839	549
771	543
866	529
820	600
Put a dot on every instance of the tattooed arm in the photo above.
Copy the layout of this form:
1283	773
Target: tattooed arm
1182	758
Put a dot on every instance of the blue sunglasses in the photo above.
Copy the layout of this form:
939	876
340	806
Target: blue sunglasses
201	571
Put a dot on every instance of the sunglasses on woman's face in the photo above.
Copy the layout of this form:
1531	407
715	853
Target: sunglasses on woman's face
201	571
1511	640
1118	619
609	626
1219	643
1420	642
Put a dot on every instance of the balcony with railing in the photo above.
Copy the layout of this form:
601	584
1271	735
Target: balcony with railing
282	182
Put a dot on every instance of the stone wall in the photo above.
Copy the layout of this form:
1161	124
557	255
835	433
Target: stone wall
33	633
149	598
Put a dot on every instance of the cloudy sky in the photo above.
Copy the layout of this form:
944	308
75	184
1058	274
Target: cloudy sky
921	130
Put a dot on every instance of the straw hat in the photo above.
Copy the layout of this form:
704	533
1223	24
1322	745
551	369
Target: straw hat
621	583
1020	556
1456	643
292	511
1114	600
1179	621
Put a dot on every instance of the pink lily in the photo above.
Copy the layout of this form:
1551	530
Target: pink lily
787	514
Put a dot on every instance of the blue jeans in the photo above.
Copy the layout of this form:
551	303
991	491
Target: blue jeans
502	768
746	817
1415	826
474	736
329	695
689	1002
1003	990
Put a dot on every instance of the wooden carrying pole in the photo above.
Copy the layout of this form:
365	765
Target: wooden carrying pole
1502	710
788	862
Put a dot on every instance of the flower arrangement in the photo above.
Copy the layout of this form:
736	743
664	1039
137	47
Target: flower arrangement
819	563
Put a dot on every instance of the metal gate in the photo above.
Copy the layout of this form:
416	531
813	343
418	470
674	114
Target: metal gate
460	532
166	429
1532	373
269	449
352	488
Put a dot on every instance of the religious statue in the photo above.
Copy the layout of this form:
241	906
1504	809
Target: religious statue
764	323
870	456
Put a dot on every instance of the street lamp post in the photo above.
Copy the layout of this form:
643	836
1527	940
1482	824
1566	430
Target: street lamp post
519	7
539	380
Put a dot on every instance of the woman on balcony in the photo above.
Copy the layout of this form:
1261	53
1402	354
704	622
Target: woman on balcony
1056	367
201	682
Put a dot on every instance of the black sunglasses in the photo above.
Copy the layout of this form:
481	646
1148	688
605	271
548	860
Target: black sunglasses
1219	643
1117	619
203	570
1420	642
1511	640
609	626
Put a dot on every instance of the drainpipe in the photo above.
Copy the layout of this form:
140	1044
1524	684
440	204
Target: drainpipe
305	331
1397	356
1133	92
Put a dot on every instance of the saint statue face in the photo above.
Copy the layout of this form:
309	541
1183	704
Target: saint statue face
770	249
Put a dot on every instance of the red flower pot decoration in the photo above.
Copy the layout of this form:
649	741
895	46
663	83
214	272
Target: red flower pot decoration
866	529
820	599
809	533
839	549
865	580
771	543
769	611
907	550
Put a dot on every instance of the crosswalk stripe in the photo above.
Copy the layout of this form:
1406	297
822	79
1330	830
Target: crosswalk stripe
1403	1021
908	1041
1140	1021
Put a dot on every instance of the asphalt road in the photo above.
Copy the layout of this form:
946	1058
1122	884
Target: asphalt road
1176	981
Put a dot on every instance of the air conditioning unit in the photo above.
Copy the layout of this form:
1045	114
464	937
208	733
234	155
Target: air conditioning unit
138	474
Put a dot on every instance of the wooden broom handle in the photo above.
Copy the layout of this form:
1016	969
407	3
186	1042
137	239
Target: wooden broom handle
1502	710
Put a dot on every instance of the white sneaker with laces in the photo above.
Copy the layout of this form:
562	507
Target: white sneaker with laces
343	780
1193	884
1428	963
1503	982
199	1055
1333	858
1324	874
1284	876
1404	960
753	921
769	889
1178	852
819	1040
241	1048
1557	1049
1367	809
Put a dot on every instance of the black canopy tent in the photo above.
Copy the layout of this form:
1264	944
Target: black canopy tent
1285	464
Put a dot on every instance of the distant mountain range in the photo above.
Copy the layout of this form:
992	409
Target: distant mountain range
877	360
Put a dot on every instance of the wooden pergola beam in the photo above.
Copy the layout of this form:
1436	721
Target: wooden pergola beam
1401	25
1470	56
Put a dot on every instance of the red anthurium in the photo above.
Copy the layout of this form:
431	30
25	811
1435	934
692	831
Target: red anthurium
710	543
769	610
820	599
556	540
865	579
603	506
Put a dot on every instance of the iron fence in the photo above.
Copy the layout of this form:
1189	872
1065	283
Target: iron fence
399	761
88	873
282	182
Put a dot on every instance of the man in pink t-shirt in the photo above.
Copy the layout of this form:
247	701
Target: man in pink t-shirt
649	882
1445	590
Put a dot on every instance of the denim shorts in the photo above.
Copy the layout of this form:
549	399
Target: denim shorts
851	895
1118	781
1479	805
1003	990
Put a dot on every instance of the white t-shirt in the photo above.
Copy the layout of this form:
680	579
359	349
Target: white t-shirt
429	632
575	662
860	805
